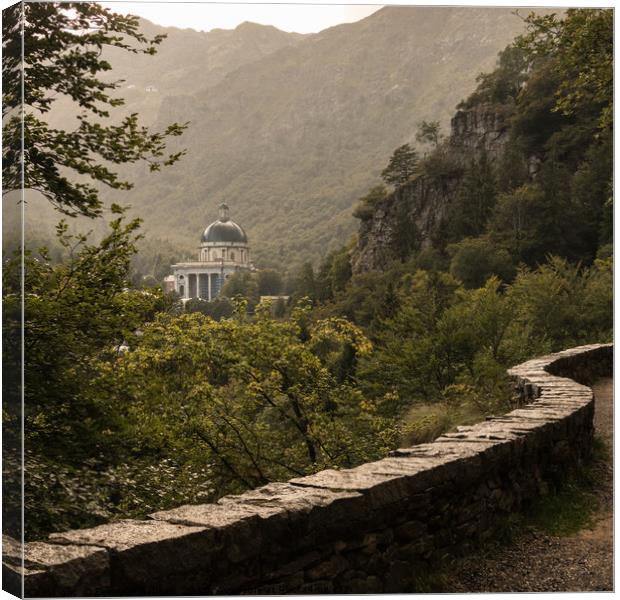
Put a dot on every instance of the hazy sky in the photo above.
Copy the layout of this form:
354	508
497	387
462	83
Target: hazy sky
302	18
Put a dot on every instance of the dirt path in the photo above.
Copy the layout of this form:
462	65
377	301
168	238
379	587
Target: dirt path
538	562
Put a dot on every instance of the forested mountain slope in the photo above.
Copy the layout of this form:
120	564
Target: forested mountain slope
184	60
291	141
290	130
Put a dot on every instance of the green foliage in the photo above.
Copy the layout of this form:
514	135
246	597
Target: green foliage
306	285
153	259
448	344
429	132
581	45
279	308
60	496
269	282
217	309
564	304
504	84
241	283
441	166
334	274
367	298
474	260
402	166
248	397
62	43
468	214
368	203
76	313
417	355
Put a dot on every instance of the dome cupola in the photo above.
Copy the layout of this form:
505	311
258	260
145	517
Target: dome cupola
224	230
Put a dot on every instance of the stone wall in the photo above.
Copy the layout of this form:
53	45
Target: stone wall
374	528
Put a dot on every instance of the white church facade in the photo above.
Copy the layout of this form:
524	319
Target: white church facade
223	251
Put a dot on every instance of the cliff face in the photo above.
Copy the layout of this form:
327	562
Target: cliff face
425	199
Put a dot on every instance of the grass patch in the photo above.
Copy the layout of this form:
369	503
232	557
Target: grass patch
426	422
564	512
572	505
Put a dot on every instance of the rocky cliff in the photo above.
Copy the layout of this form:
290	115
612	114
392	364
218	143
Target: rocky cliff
425	199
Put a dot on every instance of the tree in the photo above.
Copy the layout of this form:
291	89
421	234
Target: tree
417	353
63	56
401	167
502	85
475	260
475	200
241	283
429	132
368	203
217	309
334	273
269	282
582	46
248	397
79	307
565	304
513	222
77	312
305	282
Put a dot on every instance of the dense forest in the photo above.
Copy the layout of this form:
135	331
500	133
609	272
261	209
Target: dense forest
135	403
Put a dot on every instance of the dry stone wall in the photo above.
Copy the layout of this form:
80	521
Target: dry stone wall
374	528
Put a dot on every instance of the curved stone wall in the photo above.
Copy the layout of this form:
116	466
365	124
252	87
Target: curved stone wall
374	528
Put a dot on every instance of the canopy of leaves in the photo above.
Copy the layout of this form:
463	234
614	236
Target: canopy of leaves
76	313
62	45
581	45
429	132
443	335
401	167
368	203
249	398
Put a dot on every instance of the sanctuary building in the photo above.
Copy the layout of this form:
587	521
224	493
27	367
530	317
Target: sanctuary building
223	250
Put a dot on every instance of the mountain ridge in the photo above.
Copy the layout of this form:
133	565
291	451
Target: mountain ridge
290	139
299	115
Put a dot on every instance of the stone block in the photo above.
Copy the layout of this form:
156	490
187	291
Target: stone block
152	557
57	570
410	530
328	569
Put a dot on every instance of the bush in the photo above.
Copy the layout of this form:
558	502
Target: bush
474	260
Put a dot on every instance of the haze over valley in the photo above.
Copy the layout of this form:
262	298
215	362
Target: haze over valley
288	129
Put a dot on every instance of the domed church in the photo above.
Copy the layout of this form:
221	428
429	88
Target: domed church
223	250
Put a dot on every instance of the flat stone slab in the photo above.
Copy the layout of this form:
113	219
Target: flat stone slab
57	570
128	534
216	515
155	557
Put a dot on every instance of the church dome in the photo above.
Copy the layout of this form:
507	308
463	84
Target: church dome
224	230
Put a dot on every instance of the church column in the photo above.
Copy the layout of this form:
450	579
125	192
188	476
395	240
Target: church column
193	285
203	286
209	285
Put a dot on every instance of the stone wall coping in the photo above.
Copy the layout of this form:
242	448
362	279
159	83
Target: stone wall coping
190	542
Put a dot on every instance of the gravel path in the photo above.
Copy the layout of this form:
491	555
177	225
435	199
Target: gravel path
538	562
